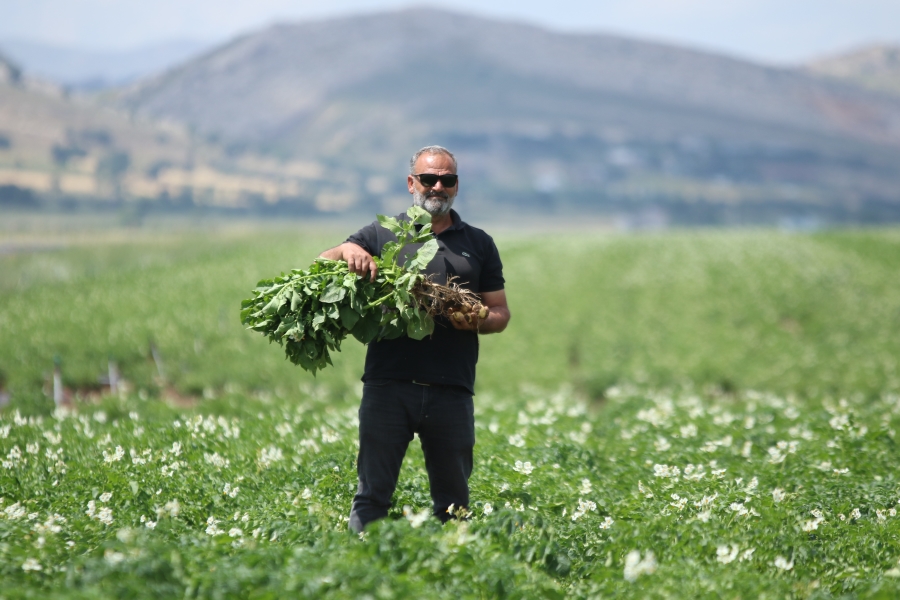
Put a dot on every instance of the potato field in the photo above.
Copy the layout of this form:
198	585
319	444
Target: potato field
703	414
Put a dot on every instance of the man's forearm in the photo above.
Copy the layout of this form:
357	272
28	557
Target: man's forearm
336	253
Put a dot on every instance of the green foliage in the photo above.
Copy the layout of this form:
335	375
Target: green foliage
735	496
310	312
700	319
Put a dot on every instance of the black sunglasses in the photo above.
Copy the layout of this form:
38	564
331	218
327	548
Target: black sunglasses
430	179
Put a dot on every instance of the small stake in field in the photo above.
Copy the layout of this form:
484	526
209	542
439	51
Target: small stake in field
58	394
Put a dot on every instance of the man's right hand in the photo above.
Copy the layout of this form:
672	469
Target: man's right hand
358	260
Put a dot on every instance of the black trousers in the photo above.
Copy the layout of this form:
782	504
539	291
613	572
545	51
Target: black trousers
390	412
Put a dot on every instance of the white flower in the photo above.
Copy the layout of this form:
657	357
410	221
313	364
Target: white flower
516	440
416	519
105	516
113	557
706	501
14	511
585	486
607	523
811	525
688	431
583	507
229	491
778	495
839	422
105	496
32	448
747	554
679	502
725	555
307	494
746	449
783	564
216	460
694	472
880	514
270	455
235	532
635	566
115	456
704	516
488	509
855	514
91	508
648	493
662	444
525	468
172	508
666	471
212	527
739	508
31	564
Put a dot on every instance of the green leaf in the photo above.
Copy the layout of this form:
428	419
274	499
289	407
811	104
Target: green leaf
391	224
349	317
333	293
273	305
419	215
367	328
425	254
420	327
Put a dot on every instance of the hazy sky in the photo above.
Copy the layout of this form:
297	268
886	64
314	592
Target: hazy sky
768	30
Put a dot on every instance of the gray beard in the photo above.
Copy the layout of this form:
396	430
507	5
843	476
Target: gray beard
435	206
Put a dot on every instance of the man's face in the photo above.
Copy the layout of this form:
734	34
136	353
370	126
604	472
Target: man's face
435	199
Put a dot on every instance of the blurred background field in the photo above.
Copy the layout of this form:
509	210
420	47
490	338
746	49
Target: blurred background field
809	314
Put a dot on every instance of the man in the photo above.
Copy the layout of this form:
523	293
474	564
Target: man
425	386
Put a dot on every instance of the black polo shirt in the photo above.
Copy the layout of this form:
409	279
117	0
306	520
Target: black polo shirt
448	356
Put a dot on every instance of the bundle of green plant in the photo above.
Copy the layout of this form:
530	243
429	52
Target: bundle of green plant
310	312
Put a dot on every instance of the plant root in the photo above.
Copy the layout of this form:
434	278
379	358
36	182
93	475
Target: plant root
447	300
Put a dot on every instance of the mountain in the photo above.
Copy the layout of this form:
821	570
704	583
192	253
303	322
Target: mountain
874	67
81	69
62	152
542	120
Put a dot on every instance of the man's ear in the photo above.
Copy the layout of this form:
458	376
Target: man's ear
411	184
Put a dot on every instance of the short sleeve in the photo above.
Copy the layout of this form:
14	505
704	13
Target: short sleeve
367	239
492	270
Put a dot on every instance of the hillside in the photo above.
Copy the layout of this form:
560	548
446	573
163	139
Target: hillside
558	122
63	152
874	67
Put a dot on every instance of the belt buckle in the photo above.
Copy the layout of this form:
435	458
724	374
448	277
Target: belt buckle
420	383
